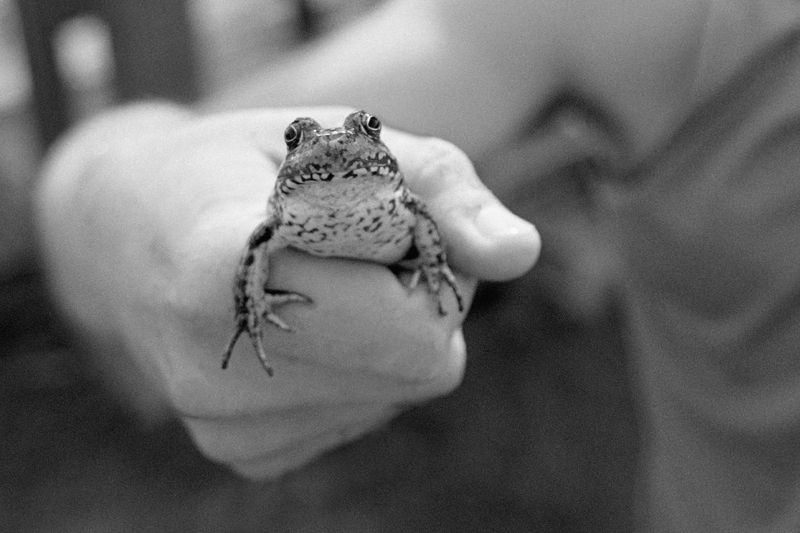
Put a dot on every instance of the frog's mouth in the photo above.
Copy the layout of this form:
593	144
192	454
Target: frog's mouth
368	175
342	163
377	168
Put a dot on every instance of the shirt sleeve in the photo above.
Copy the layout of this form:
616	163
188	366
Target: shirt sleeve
708	225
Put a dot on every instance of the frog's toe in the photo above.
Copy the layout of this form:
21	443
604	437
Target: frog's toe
274	298
447	275
413	280
277	321
442	310
457	294
241	326
258	344
407	275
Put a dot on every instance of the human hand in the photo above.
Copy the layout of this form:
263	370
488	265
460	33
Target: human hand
148	248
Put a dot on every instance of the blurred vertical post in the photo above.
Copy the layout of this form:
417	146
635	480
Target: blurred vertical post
152	47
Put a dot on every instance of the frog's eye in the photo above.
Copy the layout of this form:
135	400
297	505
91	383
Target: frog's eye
292	135
371	124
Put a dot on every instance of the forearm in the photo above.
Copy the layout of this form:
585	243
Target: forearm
405	63
476	73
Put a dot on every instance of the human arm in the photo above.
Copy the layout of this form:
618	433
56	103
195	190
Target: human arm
475	72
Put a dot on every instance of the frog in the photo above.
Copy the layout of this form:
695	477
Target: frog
339	192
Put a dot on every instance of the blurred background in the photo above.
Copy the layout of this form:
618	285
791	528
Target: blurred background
541	436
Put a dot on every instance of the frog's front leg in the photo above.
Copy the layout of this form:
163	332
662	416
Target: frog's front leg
431	263
253	302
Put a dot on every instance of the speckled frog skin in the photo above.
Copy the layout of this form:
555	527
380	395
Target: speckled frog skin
339	193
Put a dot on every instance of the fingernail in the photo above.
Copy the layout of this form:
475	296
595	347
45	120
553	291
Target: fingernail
494	220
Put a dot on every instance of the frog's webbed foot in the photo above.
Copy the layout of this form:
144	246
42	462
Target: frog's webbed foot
258	312
255	304
444	272
427	258
251	317
433	275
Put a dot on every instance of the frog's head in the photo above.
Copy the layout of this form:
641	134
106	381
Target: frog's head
350	152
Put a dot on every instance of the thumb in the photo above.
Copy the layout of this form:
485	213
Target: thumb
483	237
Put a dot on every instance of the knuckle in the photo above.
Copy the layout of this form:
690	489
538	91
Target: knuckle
444	174
189	399
215	443
443	158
